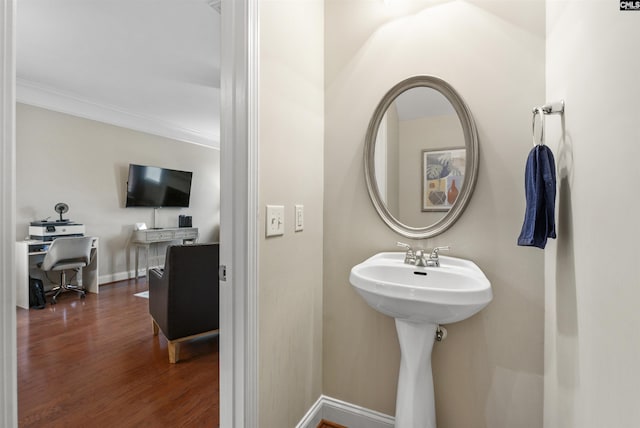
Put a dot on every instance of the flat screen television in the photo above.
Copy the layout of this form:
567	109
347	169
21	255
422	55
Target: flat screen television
151	186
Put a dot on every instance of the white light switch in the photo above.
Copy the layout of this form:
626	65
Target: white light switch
299	218
275	220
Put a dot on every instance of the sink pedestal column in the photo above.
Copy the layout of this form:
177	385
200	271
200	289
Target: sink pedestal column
415	402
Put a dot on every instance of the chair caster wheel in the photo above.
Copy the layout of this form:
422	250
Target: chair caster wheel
53	301
82	296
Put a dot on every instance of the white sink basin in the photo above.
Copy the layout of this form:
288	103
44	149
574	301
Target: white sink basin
452	292
420	298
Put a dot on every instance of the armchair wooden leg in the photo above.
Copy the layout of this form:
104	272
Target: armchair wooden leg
174	351
155	327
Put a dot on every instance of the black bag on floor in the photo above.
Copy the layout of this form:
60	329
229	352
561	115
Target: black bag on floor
37	299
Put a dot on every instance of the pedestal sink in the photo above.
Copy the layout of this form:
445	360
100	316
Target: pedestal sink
420	298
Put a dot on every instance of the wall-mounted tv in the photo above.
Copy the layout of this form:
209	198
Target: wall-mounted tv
150	186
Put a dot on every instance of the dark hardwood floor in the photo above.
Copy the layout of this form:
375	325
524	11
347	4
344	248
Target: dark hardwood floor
329	424
94	363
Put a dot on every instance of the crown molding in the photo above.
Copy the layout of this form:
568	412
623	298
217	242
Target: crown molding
215	4
39	95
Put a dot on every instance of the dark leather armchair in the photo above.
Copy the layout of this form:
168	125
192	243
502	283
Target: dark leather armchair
184	298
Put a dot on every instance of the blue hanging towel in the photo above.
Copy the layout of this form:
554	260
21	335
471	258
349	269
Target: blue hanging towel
540	189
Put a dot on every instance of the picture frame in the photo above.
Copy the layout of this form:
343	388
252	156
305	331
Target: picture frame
443	172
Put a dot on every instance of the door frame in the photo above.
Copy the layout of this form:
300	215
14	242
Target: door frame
238	216
9	369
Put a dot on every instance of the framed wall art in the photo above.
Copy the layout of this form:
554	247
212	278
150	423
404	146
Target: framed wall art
442	177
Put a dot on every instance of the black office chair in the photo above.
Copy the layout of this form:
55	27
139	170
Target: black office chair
64	254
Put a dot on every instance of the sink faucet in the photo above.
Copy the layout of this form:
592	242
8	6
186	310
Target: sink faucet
421	260
419	257
434	260
410	256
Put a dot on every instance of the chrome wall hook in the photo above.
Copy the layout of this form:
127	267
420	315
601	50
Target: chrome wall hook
551	108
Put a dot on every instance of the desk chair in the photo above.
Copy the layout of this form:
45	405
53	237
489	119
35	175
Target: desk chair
67	253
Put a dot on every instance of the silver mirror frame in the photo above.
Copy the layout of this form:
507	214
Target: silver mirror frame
471	144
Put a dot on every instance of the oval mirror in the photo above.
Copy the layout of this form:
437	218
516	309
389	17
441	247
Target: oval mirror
421	157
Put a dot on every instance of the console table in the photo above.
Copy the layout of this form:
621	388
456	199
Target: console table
31	252
145	238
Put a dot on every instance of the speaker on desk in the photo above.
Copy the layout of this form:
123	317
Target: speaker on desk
184	221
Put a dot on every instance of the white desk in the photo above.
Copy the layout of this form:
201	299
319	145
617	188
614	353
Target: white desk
31	252
147	237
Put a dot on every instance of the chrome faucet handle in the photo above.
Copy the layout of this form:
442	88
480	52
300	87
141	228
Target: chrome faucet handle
435	251
403	245
410	256
407	247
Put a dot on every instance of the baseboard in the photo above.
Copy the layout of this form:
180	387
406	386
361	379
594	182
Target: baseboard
343	413
313	416
118	276
121	276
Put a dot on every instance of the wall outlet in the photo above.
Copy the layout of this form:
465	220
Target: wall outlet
299	218
275	220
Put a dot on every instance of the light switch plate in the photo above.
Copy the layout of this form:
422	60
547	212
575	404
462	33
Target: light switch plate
275	220
299	218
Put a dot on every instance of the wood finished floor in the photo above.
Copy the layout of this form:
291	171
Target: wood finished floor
95	363
329	424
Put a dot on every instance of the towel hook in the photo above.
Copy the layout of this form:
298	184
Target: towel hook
537	111
551	108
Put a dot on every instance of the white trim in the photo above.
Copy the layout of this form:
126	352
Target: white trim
43	96
9	370
119	276
214	4
313	416
252	32
344	413
239	214
123	276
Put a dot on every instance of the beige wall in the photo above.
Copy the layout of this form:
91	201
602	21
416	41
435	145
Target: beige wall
393	152
63	158
433	133
290	172
489	372
592	271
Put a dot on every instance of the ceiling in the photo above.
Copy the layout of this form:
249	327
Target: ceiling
149	65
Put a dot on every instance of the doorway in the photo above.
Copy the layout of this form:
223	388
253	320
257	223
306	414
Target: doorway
238	339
